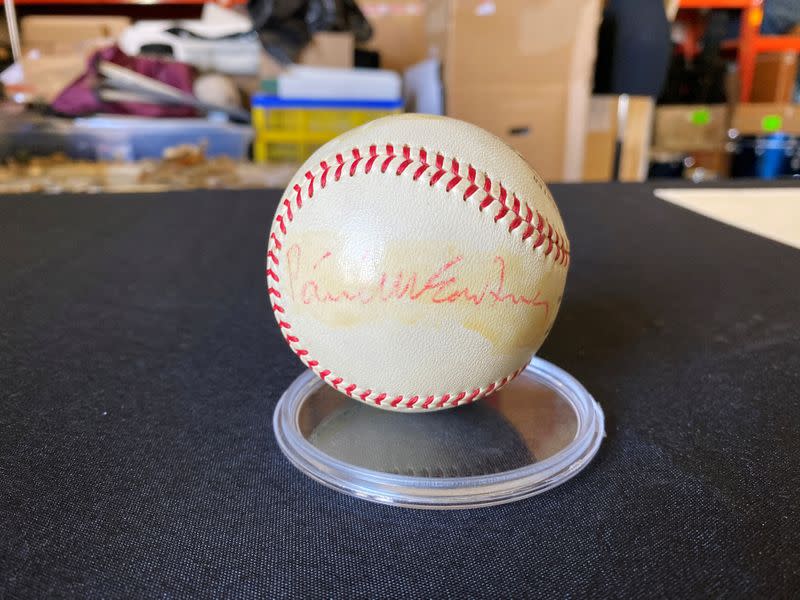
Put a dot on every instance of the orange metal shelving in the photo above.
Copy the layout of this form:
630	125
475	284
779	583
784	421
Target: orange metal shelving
751	42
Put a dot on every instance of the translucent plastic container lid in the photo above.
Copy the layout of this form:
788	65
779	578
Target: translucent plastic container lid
537	432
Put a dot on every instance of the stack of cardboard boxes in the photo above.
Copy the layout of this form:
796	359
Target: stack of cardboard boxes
697	132
711	137
398	31
523	70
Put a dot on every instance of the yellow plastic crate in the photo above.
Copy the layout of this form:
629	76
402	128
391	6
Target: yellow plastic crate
291	133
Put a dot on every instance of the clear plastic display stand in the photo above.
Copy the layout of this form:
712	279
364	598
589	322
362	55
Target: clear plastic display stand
537	432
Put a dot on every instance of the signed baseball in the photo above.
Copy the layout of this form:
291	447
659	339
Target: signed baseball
416	263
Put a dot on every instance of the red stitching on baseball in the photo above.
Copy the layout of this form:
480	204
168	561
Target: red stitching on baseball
469	191
373	156
356	160
458	398
337	174
403	166
528	232
528	214
471	175
503	194
325	168
554	238
437	176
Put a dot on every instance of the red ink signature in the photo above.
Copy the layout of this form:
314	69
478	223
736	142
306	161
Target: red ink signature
442	286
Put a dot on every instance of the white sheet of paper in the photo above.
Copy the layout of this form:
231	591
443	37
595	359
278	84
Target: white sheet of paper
773	213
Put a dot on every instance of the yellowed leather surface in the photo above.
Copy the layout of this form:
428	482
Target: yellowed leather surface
405	283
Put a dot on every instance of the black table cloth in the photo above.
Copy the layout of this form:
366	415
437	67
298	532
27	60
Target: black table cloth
140	365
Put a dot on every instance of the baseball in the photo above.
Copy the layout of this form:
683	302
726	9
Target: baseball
416	263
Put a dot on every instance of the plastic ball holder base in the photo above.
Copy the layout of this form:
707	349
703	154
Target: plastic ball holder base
537	432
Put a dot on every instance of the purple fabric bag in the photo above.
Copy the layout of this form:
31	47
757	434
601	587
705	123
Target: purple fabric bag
80	98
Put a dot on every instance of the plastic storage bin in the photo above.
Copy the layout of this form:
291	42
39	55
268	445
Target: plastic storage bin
290	130
120	138
133	138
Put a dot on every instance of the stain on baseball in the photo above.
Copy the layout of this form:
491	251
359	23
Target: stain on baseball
416	263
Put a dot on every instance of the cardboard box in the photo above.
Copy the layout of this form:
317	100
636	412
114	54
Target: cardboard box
763	119
46	76
501	42
532	120
775	77
690	127
60	34
326	49
704	165
634	114
398	31
522	69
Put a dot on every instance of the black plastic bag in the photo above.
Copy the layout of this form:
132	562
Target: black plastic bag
286	26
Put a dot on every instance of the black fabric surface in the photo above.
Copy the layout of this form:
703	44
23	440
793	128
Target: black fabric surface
140	365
